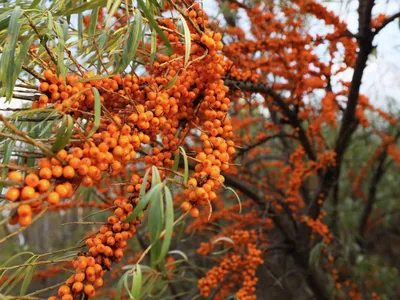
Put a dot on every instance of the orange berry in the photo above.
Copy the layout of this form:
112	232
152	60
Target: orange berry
62	154
62	190
15	176
81	262
75	162
24	210
43	185
32	180
45	173
25	221
48	74
67	297
57	171
194	212
68	172
98	282
77	287
64	290
90	271
27	193
186	206
53	198
80	276
13	194
44	86
89	290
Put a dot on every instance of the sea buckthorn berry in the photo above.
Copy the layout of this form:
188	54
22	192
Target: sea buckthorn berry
79	276
32	180
24	210
61	190
77	287
89	290
68	172
13	194
44	185
15	176
44	86
57	171
67	297
186	206
27	193
53	198
98	282
81	262
194	212
45	173
25	221
64	290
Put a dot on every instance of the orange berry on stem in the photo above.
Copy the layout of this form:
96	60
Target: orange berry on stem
25	221
186	206
53	198
13	194
194	212
64	290
16	176
89	290
27	193
32	180
24	210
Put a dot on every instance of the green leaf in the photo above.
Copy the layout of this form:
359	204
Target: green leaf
22	51
93	21
225	239
186	165
153	49
132	40
136	283
127	288
8	148
188	40
111	12
155	176
181	253
156	224
8	55
237	197
154	25
14	257
88	5
64	134
97	111
29	272
49	22
169	224
143	201
61	69
120	286
80	27
15	277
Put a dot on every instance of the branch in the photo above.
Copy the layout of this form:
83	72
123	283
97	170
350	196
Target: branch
266	139
386	22
376	178
278	100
